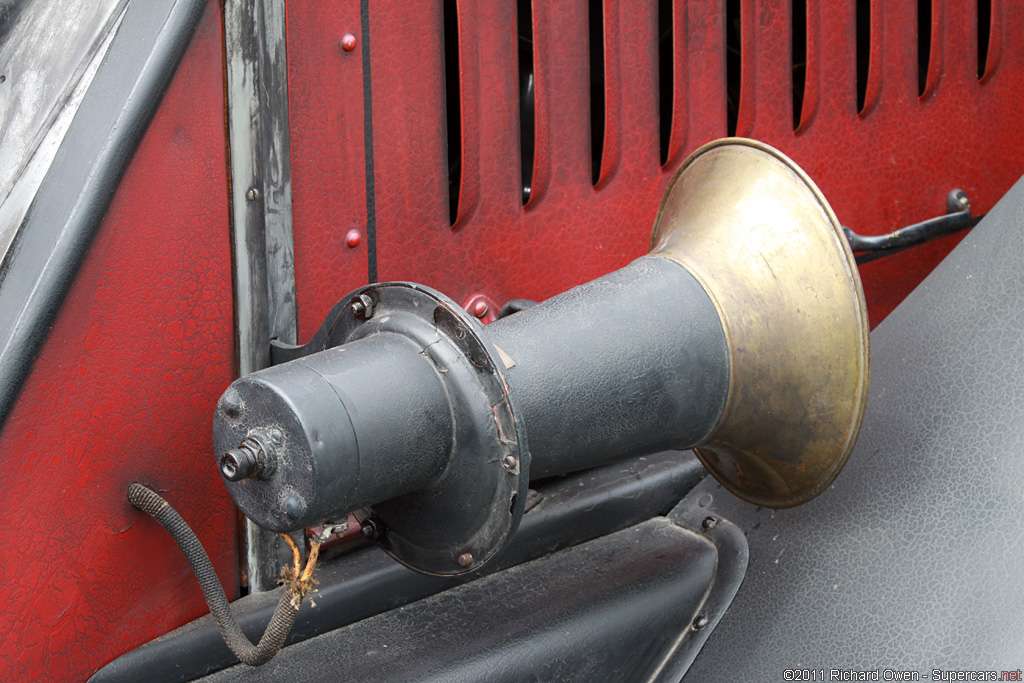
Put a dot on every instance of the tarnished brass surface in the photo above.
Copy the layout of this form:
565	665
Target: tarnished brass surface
760	237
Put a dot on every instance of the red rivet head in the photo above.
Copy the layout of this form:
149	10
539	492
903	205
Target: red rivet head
479	308
348	42
353	238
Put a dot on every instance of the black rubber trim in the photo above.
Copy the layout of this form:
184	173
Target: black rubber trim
55	235
371	192
698	513
605	611
366	582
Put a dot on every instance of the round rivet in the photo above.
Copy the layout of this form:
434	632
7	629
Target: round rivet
479	308
348	42
700	622
353	238
465	559
231	403
295	506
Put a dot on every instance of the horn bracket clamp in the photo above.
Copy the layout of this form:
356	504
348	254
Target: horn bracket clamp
464	516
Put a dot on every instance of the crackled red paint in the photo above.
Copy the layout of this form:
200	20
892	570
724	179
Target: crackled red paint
881	169
123	391
128	377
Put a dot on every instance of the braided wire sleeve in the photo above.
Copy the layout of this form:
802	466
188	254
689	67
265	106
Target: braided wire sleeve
147	500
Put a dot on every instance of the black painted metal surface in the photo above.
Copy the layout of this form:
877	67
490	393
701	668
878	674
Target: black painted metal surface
406	413
570	510
608	610
633	362
912	559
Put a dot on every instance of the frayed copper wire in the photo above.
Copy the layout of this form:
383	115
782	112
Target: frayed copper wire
314	553
296	554
299	581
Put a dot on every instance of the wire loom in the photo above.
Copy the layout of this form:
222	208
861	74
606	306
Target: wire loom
298	581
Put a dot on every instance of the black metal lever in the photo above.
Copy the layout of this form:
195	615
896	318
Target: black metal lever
957	218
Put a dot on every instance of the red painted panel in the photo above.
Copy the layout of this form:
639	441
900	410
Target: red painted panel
407	54
894	163
569	231
325	101
885	167
699	103
128	378
490	101
123	391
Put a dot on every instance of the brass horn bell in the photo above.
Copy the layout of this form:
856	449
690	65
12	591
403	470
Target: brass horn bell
769	251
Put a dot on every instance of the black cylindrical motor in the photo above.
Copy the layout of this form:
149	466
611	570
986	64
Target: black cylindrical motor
634	372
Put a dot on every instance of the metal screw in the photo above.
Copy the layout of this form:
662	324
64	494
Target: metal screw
362	307
238	464
465	559
509	462
276	436
700	622
709	522
348	42
369	530
252	458
253	194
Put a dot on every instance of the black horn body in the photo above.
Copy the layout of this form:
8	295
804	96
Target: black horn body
742	334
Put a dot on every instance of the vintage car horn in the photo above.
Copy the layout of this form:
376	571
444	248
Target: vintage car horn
742	334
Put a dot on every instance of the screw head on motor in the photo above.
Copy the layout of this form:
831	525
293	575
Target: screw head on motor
237	464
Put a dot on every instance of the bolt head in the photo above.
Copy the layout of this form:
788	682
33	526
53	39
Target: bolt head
368	530
465	559
237	464
362	307
509	462
479	308
348	42
709	522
